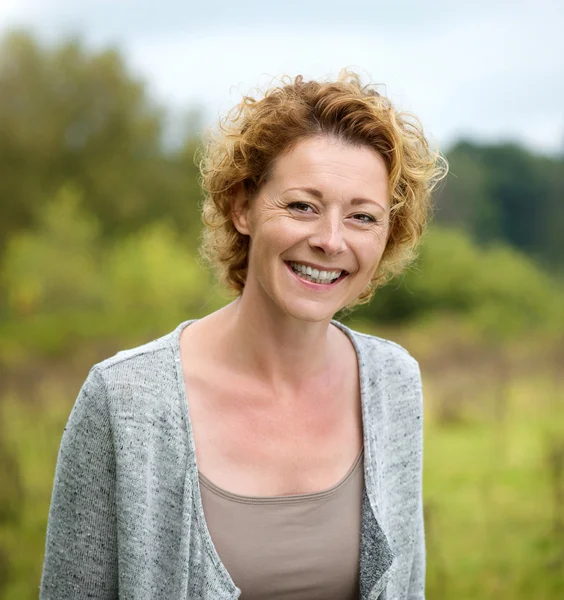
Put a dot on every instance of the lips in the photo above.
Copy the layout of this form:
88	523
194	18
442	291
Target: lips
312	284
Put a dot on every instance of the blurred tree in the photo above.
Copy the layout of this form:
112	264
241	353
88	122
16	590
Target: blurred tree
497	288
69	115
466	199
150	276
507	193
56	267
84	164
61	281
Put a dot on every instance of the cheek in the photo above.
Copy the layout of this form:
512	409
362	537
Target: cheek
277	231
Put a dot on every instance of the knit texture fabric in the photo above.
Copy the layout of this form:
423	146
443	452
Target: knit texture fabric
126	517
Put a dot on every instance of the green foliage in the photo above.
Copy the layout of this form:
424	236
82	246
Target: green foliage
99	227
33	454
61	280
72	115
499	290
152	273
491	479
57	266
76	123
465	199
504	192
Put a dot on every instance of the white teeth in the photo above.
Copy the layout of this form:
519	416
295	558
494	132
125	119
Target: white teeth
321	276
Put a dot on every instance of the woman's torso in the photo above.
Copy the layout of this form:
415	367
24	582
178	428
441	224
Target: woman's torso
298	455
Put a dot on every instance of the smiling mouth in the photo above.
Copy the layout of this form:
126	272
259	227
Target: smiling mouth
329	278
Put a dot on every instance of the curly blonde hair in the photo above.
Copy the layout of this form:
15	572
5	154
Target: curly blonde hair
256	132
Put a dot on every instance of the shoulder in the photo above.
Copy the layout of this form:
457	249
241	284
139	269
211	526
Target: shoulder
148	373
392	393
387	350
390	381
391	370
145	355
383	359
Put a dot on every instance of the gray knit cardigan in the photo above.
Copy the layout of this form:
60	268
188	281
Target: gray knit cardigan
126	517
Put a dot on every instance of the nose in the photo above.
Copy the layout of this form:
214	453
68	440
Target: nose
329	235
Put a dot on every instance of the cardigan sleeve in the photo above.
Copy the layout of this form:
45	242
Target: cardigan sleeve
81	544
417	578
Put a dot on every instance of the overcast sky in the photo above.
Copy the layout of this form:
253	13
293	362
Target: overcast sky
489	70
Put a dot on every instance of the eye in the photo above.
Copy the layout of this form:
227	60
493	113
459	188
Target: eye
300	206
366	218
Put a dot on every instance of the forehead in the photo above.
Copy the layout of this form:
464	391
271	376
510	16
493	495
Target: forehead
327	161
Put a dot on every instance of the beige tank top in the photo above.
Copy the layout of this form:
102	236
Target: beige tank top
303	547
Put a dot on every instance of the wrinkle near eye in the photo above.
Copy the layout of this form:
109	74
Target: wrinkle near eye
270	207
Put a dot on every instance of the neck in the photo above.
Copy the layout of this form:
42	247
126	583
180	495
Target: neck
284	353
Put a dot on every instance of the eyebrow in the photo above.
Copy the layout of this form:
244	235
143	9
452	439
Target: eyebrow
319	195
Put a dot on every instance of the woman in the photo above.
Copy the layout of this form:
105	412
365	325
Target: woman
265	450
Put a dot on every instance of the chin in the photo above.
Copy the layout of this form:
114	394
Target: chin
310	312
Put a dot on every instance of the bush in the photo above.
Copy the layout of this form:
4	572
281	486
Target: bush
500	290
63	283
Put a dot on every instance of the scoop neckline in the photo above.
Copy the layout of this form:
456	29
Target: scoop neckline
285	499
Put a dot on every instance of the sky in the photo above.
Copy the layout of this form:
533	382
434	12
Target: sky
487	70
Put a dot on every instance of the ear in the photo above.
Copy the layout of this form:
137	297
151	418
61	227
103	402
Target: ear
240	211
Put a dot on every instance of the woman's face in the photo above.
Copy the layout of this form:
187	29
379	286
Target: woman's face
325	205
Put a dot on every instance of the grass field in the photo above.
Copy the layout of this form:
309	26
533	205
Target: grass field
494	464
